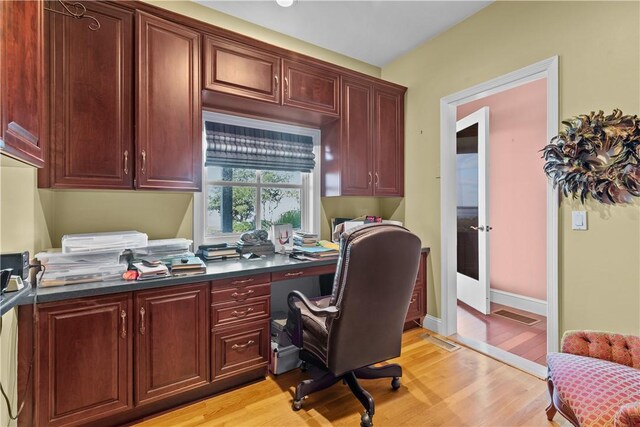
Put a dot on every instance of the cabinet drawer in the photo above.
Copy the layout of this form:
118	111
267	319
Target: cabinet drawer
303	272
238	349
254	279
234	312
238	293
416	305
421	270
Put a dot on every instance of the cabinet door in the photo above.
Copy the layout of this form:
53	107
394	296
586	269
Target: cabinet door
91	83
84	359
238	69
172	344
21	80
357	173
388	143
311	87
168	128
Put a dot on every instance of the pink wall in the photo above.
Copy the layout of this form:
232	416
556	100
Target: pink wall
517	188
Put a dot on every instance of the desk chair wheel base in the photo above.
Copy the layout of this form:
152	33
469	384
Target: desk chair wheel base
297	404
365	420
395	383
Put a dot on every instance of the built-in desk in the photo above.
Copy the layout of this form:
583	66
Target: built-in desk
110	352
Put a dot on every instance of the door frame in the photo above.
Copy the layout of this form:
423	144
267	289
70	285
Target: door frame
548	69
481	118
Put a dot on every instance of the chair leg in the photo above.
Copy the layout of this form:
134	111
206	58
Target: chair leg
393	371
307	387
551	409
364	397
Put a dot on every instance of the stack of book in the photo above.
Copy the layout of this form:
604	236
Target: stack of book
217	252
316	252
300	238
261	248
187	266
150	270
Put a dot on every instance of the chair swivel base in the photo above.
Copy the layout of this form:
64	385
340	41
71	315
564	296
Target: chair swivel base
307	387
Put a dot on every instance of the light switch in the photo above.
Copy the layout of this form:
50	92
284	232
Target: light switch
579	220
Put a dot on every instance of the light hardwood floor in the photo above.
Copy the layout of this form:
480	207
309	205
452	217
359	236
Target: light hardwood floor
529	342
439	388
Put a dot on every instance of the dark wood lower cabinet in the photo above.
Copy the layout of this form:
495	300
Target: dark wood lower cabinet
239	348
84	360
172	341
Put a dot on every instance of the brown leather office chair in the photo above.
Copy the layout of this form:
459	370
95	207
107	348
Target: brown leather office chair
361	322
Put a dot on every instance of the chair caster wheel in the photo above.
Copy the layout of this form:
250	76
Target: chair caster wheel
395	383
365	420
303	366
297	405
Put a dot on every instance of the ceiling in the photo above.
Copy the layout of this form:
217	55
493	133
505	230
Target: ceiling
375	32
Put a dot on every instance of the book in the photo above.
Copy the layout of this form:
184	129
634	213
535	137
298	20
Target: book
148	270
219	252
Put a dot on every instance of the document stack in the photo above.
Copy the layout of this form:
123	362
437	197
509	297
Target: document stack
80	267
258	248
300	238
101	242
164	249
220	251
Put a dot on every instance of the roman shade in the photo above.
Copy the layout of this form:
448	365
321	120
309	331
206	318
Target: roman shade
233	146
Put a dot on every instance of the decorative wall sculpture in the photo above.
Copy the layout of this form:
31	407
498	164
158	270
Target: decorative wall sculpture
596	155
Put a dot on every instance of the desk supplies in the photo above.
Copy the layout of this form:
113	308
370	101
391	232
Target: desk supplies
282	237
148	270
80	267
164	249
217	252
187	266
256	242
100	242
301	238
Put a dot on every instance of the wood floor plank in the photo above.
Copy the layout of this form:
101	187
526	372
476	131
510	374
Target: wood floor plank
439	388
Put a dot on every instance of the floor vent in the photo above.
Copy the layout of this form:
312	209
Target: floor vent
444	344
529	321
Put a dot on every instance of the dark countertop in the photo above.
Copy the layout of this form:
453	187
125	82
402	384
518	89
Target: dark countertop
9	300
215	270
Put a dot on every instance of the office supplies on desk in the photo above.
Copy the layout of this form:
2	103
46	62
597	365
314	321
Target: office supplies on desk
18	262
187	266
282	237
148	270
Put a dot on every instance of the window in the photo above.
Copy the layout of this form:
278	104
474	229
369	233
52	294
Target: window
238	196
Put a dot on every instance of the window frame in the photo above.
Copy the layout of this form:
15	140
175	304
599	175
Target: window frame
309	187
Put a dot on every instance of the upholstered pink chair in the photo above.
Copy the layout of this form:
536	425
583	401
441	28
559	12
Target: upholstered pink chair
595	381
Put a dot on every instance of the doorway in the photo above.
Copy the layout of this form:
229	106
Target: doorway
471	294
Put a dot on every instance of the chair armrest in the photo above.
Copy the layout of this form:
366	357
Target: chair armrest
628	415
331	311
623	349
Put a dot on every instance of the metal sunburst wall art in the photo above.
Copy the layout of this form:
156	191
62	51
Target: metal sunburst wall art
596	155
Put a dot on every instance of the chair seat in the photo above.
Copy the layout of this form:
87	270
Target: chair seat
594	389
314	333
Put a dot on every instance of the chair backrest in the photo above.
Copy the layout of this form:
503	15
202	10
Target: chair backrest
374	282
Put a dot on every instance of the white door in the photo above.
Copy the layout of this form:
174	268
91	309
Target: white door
472	153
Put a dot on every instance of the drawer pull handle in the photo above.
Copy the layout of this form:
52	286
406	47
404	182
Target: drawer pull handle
240	314
126	162
298	273
142	328
123	317
144	162
412	301
242	295
242	347
277	81
239	282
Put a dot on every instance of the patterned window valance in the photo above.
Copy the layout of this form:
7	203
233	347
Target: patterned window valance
243	147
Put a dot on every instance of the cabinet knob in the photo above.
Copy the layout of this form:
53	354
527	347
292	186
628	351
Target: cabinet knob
143	154
142	328
123	318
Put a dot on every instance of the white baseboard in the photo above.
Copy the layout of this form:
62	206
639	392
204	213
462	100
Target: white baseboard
432	323
532	305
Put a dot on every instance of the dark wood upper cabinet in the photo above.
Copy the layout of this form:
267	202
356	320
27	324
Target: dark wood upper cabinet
367	158
172	341
85	359
91	83
357	134
238	69
168	108
311	87
21	80
388	142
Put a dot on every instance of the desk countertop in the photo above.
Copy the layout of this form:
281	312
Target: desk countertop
215	270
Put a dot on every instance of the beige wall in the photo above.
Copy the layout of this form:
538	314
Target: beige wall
598	44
